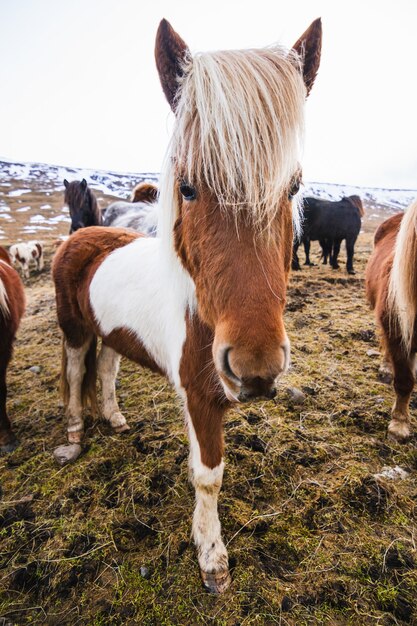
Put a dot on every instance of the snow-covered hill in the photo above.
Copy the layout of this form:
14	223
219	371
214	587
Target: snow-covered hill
31	196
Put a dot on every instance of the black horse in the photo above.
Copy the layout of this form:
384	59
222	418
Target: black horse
82	204
330	223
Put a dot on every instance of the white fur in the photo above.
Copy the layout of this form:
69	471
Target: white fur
107	367
25	253
22	251
212	553
4	299
138	288
75	373
35	255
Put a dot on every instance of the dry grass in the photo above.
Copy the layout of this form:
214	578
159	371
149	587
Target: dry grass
313	536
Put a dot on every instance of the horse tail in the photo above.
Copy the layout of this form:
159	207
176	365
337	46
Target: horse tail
88	386
402	288
4	300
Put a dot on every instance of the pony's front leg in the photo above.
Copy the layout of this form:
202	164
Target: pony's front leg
108	366
403	366
206	474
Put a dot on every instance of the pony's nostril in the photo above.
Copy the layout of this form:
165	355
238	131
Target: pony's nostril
271	394
226	366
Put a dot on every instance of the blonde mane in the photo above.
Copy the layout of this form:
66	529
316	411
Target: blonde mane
239	128
402	288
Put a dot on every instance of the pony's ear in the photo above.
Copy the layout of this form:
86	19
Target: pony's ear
66	183
83	183
170	52
308	47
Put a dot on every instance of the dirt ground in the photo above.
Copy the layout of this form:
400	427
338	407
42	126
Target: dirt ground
315	535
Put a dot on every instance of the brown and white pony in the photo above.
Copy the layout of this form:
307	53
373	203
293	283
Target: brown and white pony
82	204
24	253
202	303
12	306
391	288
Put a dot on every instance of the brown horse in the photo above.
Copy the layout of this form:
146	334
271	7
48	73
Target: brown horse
391	288
202	303
82	204
12	306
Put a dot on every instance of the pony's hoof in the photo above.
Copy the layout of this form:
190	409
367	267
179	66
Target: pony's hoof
351	272
385	375
398	431
76	436
9	447
67	453
122	429
216	583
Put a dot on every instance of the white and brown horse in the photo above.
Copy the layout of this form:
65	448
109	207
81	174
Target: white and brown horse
12	305
24	253
202	303
391	288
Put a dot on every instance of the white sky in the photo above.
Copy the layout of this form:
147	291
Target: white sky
79	85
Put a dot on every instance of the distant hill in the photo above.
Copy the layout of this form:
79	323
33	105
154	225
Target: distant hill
31	197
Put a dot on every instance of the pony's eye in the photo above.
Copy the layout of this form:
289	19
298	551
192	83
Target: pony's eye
294	189
188	192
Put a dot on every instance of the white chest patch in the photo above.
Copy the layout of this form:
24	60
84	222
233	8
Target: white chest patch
143	289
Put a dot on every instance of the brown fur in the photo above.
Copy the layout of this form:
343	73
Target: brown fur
144	192
206	402
9	323
308	46
74	265
170	51
241	288
237	249
378	273
357	202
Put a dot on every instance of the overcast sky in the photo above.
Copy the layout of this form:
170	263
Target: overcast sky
79	85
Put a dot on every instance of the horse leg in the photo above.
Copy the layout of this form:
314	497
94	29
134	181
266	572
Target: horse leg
403	366
336	249
206	474
324	249
350	244
75	370
307	251
8	441
107	367
295	264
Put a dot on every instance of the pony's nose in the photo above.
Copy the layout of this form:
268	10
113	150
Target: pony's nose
257	388
253	380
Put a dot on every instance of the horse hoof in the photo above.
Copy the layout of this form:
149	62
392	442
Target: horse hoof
385	376
398	431
352	272
216	583
67	453
122	429
9	447
75	437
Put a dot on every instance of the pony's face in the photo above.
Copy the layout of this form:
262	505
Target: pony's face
76	198
238	253
240	279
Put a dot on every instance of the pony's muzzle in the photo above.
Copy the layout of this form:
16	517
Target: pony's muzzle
251	378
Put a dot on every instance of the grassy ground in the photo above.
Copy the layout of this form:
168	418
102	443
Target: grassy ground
314	537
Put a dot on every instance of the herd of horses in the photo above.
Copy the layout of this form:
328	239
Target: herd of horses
203	301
